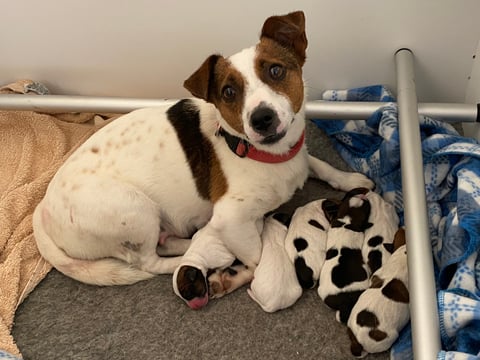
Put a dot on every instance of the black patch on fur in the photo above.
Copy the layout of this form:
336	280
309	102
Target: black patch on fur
231	271
368	319
397	291
374	260
185	118
389	247
331	253
355	347
236	262
316	224
358	215
300	244
349	268
377	335
375	241
344	303
283	218
330	209
304	273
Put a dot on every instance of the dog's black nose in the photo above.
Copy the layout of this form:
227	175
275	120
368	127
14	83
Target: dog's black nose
264	120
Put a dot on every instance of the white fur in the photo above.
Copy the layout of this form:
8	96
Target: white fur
274	286
392	316
314	254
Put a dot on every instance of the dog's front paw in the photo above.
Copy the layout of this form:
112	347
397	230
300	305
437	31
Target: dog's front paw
351	181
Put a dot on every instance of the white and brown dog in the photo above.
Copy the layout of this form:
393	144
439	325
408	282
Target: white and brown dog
217	163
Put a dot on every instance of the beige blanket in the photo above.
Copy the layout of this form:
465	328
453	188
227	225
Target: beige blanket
32	147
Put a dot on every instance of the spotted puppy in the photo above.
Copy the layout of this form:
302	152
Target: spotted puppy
378	244
345	275
382	310
274	286
306	240
217	162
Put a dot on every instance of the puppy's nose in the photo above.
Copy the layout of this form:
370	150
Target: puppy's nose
263	120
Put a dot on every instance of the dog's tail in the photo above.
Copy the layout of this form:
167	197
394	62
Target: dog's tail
106	271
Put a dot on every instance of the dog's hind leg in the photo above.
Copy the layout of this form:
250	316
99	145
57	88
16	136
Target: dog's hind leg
338	179
172	246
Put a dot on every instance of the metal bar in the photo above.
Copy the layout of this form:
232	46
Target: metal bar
314	109
423	303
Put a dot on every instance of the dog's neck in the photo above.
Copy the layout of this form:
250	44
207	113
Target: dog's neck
243	148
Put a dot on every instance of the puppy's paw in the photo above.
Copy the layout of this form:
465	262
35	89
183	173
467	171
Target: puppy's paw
215	285
351	181
224	281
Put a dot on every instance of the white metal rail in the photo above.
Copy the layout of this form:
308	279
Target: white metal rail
423	296
452	112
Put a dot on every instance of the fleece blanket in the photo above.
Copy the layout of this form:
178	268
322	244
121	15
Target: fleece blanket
452	184
32	148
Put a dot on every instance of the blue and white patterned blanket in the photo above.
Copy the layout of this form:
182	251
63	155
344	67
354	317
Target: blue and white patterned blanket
452	183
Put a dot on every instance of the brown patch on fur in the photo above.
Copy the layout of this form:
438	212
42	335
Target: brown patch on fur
289	31
376	282
208	83
397	291
205	167
191	283
269	53
399	239
94	150
377	335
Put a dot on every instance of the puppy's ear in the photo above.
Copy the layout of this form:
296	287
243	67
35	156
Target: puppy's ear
399	239
289	31
201	81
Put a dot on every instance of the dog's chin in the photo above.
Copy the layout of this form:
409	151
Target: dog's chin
273	139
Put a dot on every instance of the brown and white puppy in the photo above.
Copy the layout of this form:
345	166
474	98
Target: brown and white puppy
275	285
306	241
382	310
216	163
344	274
378	244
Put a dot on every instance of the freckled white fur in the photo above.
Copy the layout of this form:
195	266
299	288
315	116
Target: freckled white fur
275	285
392	315
314	254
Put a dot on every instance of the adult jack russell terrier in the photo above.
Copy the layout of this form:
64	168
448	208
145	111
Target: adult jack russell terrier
216	163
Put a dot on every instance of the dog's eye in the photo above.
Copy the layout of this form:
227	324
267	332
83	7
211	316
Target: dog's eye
277	72
228	93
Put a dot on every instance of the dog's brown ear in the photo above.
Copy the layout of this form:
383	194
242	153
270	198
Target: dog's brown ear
289	31
200	82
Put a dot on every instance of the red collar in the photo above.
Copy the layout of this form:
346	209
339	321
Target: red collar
243	148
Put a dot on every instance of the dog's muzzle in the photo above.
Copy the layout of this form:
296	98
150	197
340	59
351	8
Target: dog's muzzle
264	121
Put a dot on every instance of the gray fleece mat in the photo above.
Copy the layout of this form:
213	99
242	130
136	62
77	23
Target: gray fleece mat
65	319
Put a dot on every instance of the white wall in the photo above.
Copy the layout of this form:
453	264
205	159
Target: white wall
146	48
